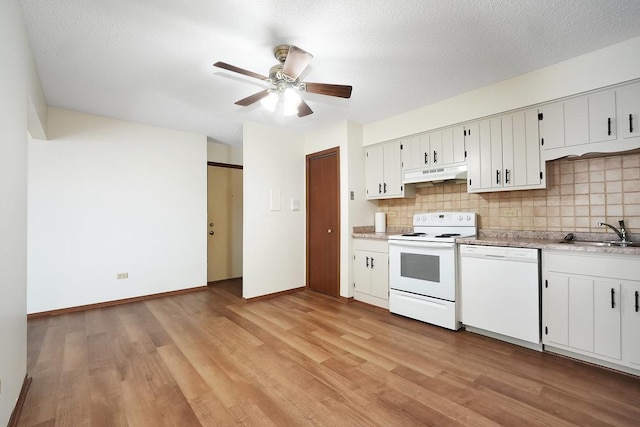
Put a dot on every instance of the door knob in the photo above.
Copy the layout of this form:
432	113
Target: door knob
211	233
329	231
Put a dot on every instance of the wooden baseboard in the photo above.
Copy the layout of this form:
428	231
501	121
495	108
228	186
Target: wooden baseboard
275	294
112	303
15	415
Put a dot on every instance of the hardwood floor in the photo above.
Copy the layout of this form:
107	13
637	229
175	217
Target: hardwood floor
206	358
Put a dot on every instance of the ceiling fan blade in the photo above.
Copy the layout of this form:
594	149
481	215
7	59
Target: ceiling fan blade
239	70
252	98
341	91
297	60
304	109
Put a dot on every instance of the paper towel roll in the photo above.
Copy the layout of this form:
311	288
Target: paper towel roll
380	222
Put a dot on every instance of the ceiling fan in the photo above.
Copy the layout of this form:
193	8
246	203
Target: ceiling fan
285	82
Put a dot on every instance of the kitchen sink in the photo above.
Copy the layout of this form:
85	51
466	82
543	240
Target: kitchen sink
598	243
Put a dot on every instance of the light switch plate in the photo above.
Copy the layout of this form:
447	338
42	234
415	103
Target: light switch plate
295	204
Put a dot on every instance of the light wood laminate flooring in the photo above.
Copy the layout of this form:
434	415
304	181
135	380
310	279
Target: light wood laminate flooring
206	358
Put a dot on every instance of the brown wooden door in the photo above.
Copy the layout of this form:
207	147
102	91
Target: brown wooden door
323	221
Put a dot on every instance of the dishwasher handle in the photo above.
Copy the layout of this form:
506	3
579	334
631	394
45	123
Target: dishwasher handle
499	253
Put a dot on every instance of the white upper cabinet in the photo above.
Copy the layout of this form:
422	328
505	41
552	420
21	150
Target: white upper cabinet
412	152
629	108
602	116
604	121
435	149
505	155
383	171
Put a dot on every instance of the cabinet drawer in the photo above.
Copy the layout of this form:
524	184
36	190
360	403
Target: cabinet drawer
372	245
623	267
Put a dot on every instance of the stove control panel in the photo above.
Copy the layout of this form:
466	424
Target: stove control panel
445	219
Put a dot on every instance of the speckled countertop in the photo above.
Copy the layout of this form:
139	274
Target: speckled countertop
549	240
521	239
368	232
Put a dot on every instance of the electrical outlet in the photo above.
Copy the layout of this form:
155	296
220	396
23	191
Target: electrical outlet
510	212
391	213
122	276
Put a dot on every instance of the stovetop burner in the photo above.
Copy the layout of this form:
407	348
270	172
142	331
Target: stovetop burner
414	234
445	235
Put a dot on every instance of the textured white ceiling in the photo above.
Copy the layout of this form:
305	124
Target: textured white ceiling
150	61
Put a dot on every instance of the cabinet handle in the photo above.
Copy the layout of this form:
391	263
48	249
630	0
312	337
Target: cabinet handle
371	262
379	188
367	262
613	298
609	126
426	158
630	123
385	188
507	176
435	157
497	177
637	305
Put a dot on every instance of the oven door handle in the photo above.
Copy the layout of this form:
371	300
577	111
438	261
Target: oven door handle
435	245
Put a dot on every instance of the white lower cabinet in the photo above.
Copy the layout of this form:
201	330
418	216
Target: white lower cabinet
371	271
590	309
631	320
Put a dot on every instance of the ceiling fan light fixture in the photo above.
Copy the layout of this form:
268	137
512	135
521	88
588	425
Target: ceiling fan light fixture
284	79
270	101
291	102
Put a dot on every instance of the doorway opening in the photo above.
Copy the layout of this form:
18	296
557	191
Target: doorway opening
224	222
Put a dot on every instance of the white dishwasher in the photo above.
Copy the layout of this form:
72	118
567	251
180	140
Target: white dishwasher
500	293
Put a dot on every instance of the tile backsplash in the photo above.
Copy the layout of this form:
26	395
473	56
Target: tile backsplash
580	193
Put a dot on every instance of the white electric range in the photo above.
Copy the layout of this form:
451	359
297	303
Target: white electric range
423	267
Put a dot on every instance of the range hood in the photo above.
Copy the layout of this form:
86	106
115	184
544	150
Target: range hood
435	175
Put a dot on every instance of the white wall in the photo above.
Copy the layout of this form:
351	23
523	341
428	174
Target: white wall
223	153
107	197
347	136
274	241
20	94
604	67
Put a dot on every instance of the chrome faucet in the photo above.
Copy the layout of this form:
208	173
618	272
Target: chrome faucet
622	232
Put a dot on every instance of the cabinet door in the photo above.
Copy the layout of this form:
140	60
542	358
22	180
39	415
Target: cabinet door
556	310
392	169
380	275
495	139
411	153
581	314
552	126
362	271
629	98
426	159
631	323
507	150
374	164
459	149
448	148
435	148
472	142
532	142
486	172
602	116
606	318
576	121
519	149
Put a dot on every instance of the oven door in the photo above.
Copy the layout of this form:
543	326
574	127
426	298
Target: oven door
423	268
